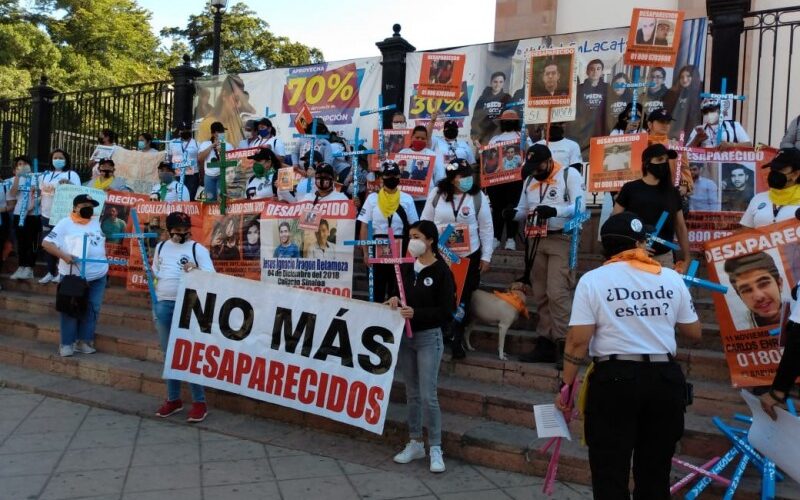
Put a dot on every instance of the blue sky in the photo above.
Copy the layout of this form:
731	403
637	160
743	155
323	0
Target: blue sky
347	29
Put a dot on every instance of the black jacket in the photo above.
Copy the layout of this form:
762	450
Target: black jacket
432	295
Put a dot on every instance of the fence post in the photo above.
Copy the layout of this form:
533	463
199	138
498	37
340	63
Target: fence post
393	79
727	25
183	98
41	121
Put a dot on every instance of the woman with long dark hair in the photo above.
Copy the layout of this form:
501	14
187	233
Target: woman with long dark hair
683	102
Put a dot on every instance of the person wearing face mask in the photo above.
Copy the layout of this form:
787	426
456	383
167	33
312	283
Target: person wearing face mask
653	195
782	201
705	135
28	233
251	139
107	137
262	184
209	151
168	189
324	176
269	137
186	145
322	145
429	306
659	122
450	146
389	207
419	145
66	241
173	258
550	190
105	179
399	121
144	143
565	151
458	200
61	173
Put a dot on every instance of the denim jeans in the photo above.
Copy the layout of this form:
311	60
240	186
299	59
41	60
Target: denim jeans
211	187
419	359
83	328
163	319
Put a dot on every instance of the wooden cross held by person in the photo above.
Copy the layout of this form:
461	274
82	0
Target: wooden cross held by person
679	148
313	137
354	154
140	236
182	166
379	111
654	238
30	188
691	280
267	115
574	226
444	249
370	243
223	165
721	96
635	85
396	260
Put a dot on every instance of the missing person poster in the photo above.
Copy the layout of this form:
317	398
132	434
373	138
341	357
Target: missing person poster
323	355
501	163
759	266
234	239
394	140
415	172
615	160
315	260
236	177
550	75
115	219
440	75
654	37
65	193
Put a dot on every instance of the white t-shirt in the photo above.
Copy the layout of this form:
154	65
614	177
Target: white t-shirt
634	312
438	168
380	224
173	194
566	151
453	149
212	171
481	229
535	193
68	237
332	196
168	262
177	147
20	193
259	188
510	136
251	143
48	183
730	130
760	212
277	146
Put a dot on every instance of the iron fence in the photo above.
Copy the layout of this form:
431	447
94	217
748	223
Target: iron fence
15	119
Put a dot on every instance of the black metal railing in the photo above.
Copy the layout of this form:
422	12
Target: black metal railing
15	120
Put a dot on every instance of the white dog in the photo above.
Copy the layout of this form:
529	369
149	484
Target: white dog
497	309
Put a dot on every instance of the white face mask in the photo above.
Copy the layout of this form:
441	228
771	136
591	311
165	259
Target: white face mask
397	126
416	248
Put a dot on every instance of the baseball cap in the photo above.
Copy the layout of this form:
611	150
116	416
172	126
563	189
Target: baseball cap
540	153
654	150
217	127
390	168
786	157
324	169
624	225
509	114
450	124
178	219
261	154
660	115
84	198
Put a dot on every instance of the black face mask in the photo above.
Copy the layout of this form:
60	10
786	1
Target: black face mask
391	182
777	180
185	135
86	212
537	173
182	237
660	171
450	133
556	133
324	183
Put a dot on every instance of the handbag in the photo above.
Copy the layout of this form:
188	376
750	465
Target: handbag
72	295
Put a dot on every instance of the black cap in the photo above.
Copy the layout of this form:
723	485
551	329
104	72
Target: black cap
324	169
178	219
450	124
457	166
625	225
654	150
84	198
660	115
217	127
786	157
261	154
106	161
540	153
709	104
390	168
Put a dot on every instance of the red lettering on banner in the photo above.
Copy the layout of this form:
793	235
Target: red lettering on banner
211	367
304	394
243	365
291	382
226	367
257	378
180	355
275	377
336	396
197	358
357	399
373	413
322	389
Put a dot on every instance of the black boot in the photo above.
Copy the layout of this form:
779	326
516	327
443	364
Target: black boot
457	345
544	352
560	344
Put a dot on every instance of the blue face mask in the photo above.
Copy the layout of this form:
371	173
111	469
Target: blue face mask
59	163
263	133
140	145
465	184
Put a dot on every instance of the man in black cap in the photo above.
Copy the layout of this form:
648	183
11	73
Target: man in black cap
653	195
636	394
782	201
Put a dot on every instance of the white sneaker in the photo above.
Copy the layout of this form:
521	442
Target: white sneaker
437	462
511	244
16	275
414	450
56	279
26	274
66	351
47	278
84	348
496	243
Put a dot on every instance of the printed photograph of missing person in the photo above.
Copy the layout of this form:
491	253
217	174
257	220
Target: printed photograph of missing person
645	31
511	158
705	195
113	221
420	170
490	161
738	186
251	237
393	143
320	244
288	237
551	76
664	33
404	173
225	236
616	157
440	72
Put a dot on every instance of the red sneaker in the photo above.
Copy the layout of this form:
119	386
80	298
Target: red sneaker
197	413
169	408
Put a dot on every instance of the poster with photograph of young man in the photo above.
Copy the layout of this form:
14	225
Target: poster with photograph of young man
550	77
738	186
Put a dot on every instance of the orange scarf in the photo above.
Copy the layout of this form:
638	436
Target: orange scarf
638	258
77	219
549	180
514	301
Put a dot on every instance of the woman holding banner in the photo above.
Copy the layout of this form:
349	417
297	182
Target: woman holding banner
430	301
62	173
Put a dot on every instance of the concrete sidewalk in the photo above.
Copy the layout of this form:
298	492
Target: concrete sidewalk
56	449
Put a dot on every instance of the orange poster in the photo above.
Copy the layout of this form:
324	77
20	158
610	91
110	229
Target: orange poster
654	37
302	119
415	172
759	267
234	239
550	75
393	141
440	75
116	219
615	160
500	163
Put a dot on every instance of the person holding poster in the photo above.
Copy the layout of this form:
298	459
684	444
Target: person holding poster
458	200
705	135
626	315
389	207
168	189
263	183
186	145
172	259
419	145
550	192
62	173
789	367
450	146
208	152
430	303
28	233
321	145
782	201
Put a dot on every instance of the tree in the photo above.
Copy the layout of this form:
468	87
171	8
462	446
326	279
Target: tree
247	43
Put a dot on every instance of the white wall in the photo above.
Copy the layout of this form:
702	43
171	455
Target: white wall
585	15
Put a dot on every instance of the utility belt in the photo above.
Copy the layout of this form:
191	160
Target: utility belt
638	358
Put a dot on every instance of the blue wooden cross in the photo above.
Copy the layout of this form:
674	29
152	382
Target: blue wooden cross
140	236
635	85
523	130
110	260
370	242
691	280
379	111
313	137
267	115
182	166
721	96
654	238
444	249
31	186
574	226
354	154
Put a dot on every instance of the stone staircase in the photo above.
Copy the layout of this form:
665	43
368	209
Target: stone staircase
486	403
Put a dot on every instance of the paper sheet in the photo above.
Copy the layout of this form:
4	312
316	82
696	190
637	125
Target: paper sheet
550	422
778	440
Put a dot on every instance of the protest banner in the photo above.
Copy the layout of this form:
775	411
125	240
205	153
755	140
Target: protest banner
501	162
153	219
115	220
311	352
654	37
234	239
236	178
102	152
140	170
759	266
726	182
65	193
316	260
394	140
550	72
615	160
440	75
415	172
